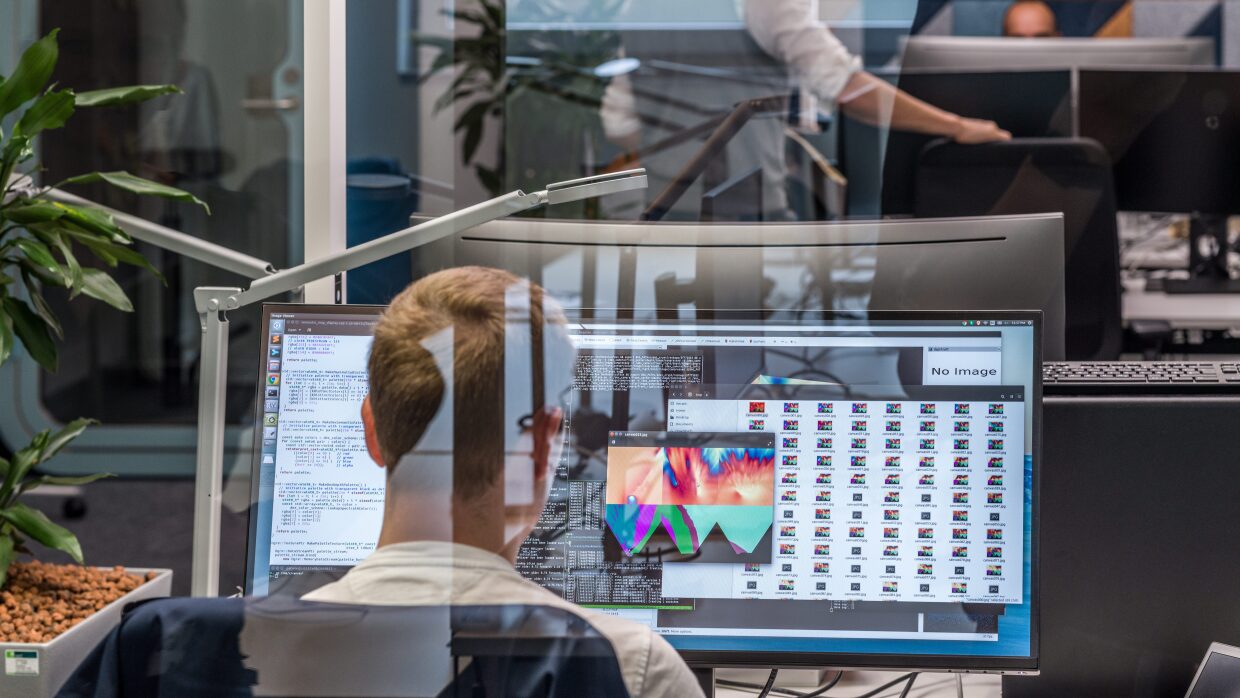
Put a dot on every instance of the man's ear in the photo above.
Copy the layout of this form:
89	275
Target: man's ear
368	427
546	430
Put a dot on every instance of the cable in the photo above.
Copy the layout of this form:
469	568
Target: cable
827	687
908	686
910	678
770	682
753	687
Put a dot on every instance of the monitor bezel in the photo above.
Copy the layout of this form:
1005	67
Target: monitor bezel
1214	648
1025	665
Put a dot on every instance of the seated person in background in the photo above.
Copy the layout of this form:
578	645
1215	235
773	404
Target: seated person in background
1029	19
465	483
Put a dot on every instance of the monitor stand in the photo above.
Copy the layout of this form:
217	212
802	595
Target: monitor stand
706	679
1207	259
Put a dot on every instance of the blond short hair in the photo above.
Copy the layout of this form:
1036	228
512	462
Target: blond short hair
407	388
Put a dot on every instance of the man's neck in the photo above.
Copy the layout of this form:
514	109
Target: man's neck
414	517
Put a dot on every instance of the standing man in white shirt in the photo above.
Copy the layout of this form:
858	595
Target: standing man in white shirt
786	34
789	31
454	356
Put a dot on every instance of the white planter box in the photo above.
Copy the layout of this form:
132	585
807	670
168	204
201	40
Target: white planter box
38	670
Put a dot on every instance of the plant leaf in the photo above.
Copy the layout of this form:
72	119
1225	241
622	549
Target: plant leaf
59	480
49	111
137	185
73	279
18	149
60	439
34	212
6	557
38	253
97	284
6	337
112	253
21	464
42	274
33	333
95	221
35	524
43	309
32	73
124	95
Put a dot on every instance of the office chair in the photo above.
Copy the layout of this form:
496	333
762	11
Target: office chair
1039	175
280	645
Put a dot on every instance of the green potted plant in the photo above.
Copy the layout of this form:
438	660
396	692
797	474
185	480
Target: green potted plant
52	615
541	92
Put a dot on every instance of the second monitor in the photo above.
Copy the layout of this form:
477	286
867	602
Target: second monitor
1174	141
783	269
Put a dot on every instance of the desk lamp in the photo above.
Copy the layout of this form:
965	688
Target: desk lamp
213	304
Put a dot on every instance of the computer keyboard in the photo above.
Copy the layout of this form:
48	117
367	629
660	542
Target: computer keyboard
1140	377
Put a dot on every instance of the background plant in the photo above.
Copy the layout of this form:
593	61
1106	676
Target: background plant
40	241
546	82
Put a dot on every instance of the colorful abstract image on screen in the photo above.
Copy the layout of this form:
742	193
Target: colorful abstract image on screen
688	492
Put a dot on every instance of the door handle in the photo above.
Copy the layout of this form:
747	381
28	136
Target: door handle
268	104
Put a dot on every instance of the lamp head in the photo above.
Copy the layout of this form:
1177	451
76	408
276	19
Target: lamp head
599	185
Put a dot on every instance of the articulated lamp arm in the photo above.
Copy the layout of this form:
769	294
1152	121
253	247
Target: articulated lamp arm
213	304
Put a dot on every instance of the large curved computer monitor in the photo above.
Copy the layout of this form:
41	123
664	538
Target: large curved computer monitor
856	490
984	263
991	53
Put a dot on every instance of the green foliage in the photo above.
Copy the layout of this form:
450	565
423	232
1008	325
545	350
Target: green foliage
18	522
40	240
487	80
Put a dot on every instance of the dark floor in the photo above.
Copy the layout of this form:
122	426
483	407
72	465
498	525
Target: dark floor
146	523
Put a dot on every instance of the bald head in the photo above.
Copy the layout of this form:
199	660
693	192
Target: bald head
1029	19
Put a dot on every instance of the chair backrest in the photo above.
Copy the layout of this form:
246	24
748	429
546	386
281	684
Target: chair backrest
281	646
1040	175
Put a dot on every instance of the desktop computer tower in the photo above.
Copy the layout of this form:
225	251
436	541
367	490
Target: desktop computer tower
1140	544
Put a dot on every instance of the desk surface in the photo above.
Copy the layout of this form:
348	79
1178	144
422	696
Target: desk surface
855	683
1207	311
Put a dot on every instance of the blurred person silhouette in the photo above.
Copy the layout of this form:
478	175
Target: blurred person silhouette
827	76
1029	19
